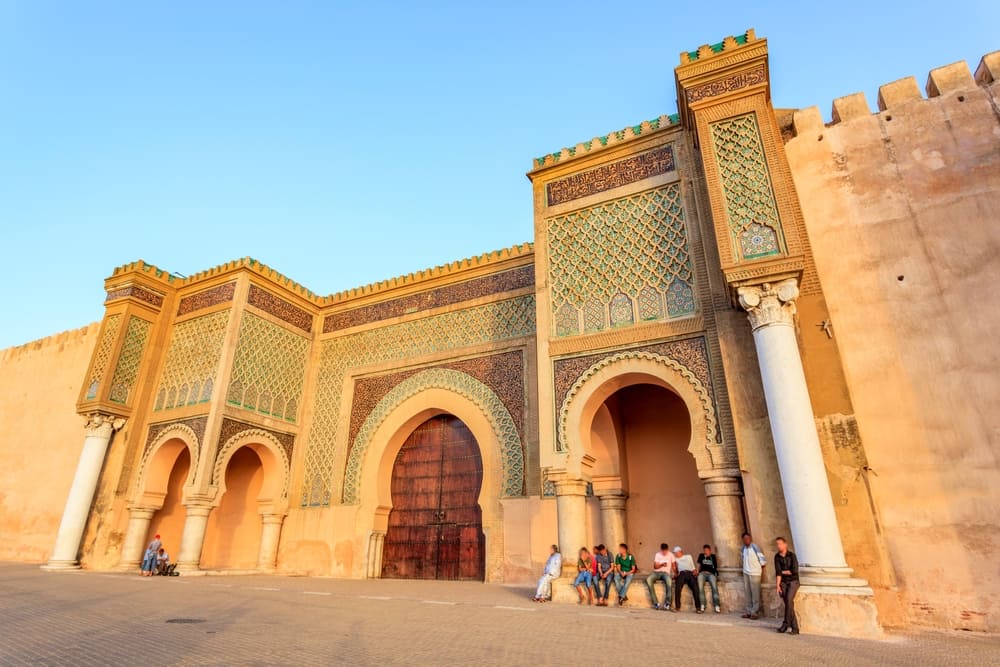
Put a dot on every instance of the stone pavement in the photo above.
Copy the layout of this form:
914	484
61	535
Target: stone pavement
86	618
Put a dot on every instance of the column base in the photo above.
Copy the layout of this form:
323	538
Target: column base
128	567
839	611
836	577
61	565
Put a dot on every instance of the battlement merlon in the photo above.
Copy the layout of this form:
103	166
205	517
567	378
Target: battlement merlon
896	96
736	66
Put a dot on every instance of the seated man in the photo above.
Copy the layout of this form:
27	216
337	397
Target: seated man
162	561
553	568
685	577
663	569
625	569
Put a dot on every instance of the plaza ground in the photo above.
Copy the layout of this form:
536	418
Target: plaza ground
86	618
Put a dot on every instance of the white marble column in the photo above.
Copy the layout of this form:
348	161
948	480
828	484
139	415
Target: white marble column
376	542
99	429
725	511
612	519
135	537
816	536
193	537
270	535
571	507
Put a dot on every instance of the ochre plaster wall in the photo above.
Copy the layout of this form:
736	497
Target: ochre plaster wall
42	438
902	209
666	500
168	521
232	539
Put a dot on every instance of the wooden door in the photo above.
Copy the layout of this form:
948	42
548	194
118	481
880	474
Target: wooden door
435	526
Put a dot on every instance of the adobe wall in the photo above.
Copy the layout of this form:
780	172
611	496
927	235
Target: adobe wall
903	211
42	438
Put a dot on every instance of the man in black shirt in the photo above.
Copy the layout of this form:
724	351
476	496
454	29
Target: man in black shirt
786	568
708	571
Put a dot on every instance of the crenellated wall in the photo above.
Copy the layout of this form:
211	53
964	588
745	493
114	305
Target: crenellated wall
42	437
903	210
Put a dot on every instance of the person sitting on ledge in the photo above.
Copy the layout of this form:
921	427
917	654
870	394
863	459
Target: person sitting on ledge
685	577
603	575
663	570
553	568
585	578
625	569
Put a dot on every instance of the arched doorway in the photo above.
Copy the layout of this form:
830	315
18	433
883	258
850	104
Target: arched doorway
232	537
168	521
435	526
639	438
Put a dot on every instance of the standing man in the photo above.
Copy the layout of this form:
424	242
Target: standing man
754	563
553	568
663	569
624	571
786	569
708	571
685	577
604	575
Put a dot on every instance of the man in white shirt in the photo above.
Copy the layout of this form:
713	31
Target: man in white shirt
663	570
553	568
685	577
754	562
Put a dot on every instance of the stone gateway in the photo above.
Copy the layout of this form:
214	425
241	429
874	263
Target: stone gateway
733	318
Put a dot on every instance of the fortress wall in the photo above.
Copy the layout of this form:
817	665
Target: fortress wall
42	437
903	211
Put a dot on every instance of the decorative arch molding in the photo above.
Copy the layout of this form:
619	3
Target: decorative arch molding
175	431
481	395
671	374
275	461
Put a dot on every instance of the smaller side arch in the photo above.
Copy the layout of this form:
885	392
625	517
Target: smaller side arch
272	456
158	461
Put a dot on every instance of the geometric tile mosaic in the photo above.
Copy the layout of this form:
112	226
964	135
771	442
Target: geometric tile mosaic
102	355
129	359
754	225
269	369
192	361
611	260
501	320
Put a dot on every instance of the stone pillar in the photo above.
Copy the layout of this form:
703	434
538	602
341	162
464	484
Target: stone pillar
270	535
376	541
571	507
725	511
135	537
193	537
771	309
613	519
99	429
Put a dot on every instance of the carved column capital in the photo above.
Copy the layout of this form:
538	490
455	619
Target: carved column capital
768	304
103	425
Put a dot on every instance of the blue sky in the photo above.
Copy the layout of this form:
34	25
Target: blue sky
347	143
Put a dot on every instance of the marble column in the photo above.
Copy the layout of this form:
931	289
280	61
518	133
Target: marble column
571	507
811	515
135	537
725	511
612	519
270	535
193	537
99	429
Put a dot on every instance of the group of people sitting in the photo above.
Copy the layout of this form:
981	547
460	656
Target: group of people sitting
156	560
597	572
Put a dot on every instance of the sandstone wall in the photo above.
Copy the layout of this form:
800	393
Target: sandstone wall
903	211
42	437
